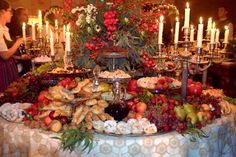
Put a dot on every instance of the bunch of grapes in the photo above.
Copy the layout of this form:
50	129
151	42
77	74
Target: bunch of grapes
161	113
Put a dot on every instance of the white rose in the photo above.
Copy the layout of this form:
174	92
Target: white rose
126	20
74	10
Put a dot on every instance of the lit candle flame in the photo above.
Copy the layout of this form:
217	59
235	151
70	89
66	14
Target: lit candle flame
161	18
200	20
177	19
226	27
187	5
191	26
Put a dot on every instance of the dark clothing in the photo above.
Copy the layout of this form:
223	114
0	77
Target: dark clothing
8	70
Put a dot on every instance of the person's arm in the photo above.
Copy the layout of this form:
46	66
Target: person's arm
231	31
10	52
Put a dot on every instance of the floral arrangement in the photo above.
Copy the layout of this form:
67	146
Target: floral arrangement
117	25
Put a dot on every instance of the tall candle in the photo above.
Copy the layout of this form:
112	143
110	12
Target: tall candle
213	32
217	35
51	43
64	33
56	24
209	24
226	39
40	19
200	33
46	28
56	28
187	16
176	38
192	34
23	31
67	48
160	30
33	32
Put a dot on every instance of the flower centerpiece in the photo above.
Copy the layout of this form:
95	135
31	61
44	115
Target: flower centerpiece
110	26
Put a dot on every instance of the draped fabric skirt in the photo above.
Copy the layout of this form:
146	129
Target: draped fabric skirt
8	73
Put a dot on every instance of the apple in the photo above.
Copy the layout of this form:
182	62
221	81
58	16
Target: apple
141	107
51	115
205	107
64	119
56	126
132	85
138	116
180	112
192	117
42	96
202	117
47	120
131	115
189	108
209	115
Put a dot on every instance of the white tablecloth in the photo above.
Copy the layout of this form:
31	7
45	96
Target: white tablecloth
17	140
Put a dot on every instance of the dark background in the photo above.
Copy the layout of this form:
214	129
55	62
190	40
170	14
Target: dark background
207	8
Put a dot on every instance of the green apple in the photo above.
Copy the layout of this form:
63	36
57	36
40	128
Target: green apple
192	117
202	117
180	112
189	108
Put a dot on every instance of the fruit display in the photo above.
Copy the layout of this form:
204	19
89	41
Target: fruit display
75	103
158	83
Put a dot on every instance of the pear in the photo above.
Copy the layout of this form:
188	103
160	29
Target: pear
180	112
192	117
189	108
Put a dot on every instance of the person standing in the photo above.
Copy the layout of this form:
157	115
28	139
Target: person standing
23	61
223	21
8	69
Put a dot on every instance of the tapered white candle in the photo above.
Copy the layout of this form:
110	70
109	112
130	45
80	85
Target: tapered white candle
33	32
46	28
226	39
213	32
191	34
176	38
40	20
209	24
24	31
51	43
160	30
217	35
64	33
187	16
56	28
200	33
67	47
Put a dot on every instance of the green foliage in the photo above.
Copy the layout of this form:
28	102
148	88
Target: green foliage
194	134
73	138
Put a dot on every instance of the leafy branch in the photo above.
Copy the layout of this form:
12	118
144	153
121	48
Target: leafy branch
72	138
194	134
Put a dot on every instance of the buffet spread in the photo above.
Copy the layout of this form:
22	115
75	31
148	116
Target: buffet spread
102	94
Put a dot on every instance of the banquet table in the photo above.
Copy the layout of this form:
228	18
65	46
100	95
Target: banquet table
17	140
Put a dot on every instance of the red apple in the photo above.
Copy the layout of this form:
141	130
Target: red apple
141	107
209	115
133	86
64	119
47	121
56	126
51	115
131	115
42	96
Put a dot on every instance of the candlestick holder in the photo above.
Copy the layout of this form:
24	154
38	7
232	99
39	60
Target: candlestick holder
68	65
